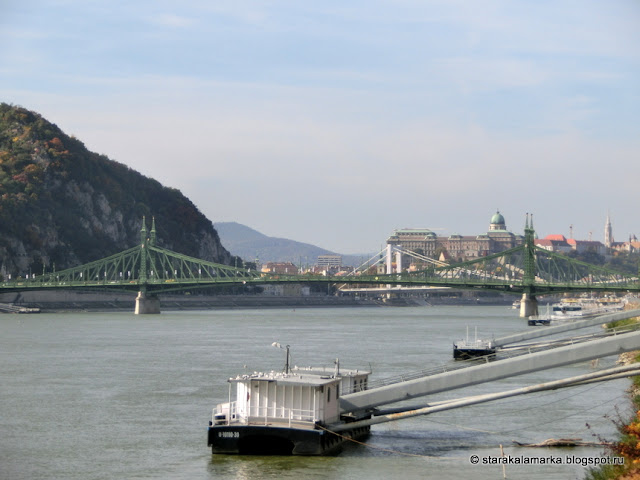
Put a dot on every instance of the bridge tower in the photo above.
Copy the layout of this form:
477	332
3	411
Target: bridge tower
145	303
529	303
389	259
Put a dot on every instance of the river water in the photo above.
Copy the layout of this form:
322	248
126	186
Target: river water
115	395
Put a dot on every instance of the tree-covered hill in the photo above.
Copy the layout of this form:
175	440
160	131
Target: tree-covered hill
62	205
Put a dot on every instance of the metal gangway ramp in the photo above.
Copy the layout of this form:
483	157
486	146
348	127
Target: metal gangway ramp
625	340
564	327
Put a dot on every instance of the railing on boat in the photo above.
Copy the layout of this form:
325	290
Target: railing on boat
227	414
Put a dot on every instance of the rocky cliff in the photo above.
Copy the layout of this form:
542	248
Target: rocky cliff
62	205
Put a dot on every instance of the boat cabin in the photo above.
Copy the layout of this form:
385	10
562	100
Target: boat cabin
300	398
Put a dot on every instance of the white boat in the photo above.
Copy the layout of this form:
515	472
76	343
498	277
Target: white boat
575	309
585	307
286	412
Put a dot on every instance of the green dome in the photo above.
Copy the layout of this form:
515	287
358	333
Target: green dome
497	218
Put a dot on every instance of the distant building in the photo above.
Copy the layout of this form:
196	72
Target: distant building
558	243
554	243
632	246
583	246
457	247
286	290
329	261
612	246
286	268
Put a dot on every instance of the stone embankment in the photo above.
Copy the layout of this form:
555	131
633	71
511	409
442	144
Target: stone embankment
90	301
49	301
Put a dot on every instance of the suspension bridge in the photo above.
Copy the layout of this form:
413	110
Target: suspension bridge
149	269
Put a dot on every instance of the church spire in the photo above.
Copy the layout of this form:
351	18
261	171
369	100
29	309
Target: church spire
608	232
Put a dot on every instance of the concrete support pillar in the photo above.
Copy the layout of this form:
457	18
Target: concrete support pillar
147	304
528	305
399	262
389	259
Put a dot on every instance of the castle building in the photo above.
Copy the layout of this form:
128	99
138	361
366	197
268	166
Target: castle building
457	247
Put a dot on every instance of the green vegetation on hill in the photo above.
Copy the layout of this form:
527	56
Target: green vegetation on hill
62	205
620	261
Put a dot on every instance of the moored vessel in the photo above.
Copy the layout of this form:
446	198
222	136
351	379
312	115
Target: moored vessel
570	310
468	348
285	412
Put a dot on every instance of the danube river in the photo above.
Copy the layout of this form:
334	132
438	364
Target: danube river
115	395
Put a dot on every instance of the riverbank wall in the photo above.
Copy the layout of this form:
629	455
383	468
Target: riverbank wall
106	301
52	301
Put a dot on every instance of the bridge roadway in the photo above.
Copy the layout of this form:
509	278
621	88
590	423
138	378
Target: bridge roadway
431	382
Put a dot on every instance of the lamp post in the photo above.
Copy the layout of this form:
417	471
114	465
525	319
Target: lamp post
286	365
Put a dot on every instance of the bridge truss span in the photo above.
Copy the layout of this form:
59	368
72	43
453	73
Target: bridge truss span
145	267
526	269
507	271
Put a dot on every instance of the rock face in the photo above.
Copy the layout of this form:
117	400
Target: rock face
62	205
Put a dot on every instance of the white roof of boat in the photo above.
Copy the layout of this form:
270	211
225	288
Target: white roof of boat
306	375
329	371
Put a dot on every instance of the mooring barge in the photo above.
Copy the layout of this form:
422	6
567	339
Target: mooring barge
473	348
285	413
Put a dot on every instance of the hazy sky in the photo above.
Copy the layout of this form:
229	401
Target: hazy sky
334	123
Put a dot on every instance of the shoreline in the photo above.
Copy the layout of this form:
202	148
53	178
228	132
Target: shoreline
50	302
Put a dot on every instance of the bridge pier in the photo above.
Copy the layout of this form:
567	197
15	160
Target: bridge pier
528	305
147	304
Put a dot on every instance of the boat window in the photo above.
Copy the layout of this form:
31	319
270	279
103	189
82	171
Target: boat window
328	394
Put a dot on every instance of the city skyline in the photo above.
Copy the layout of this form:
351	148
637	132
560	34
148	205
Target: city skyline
569	234
334	124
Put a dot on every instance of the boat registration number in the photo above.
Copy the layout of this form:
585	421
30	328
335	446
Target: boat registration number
229	434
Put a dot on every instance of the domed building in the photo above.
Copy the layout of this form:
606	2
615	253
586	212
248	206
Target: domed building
497	222
457	248
500	238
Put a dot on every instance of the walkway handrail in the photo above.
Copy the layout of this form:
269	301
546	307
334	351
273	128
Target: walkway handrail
503	355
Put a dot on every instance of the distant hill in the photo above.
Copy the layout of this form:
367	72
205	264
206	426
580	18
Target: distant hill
62	205
250	244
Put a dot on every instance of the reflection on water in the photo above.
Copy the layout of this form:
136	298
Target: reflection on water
91	396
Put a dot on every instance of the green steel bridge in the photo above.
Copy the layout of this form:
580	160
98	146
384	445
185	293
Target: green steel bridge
149	269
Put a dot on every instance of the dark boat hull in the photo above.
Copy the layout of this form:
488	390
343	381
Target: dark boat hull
538	321
271	440
467	353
